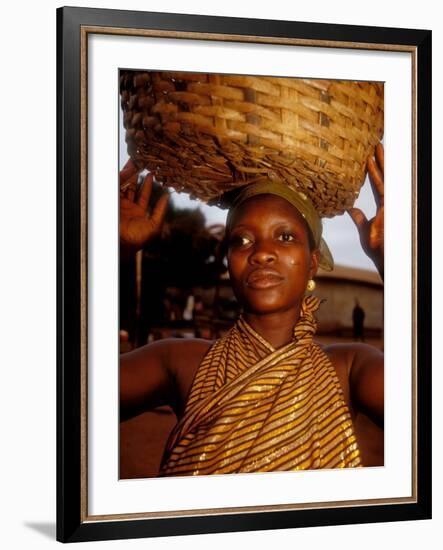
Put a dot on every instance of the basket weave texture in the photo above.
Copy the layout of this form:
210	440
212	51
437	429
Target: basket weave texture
209	133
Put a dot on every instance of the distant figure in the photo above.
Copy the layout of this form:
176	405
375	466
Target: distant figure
358	318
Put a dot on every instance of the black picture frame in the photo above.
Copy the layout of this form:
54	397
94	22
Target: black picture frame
73	523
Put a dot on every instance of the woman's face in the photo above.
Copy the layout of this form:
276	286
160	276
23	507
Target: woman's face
269	257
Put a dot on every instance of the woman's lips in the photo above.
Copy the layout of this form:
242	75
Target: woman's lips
263	278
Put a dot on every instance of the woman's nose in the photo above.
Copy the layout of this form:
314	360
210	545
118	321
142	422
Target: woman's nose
262	254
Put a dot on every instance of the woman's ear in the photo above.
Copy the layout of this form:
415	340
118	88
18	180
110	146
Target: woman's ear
315	260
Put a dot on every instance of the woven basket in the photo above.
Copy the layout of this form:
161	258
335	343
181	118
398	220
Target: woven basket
208	133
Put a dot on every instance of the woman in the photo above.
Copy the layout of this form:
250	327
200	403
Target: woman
264	397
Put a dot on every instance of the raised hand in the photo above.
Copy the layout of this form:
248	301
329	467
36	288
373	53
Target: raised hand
136	226
372	231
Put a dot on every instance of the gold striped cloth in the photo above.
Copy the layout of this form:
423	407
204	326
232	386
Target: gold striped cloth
253	408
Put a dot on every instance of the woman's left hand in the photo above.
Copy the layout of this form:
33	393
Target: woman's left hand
372	231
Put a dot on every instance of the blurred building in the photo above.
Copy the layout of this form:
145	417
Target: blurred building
342	289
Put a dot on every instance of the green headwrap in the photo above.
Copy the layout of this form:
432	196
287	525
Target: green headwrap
300	201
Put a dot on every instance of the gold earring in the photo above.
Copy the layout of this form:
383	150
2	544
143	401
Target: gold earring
311	285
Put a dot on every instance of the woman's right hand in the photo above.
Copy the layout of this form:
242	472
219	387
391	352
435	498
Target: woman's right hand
136	226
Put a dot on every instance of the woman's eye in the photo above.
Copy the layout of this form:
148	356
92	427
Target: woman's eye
286	237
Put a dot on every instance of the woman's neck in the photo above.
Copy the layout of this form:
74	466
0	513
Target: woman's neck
275	328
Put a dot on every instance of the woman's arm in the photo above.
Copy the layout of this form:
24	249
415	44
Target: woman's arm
160	373
366	377
146	381
371	231
136	226
366	381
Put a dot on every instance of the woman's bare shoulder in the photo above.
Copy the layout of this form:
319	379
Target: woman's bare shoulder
187	348
184	358
170	351
160	372
351	351
360	367
348	358
163	350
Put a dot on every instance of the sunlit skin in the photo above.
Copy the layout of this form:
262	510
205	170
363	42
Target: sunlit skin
267	233
270	263
371	232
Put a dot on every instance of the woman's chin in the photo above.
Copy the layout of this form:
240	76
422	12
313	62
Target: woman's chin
268	300
266	307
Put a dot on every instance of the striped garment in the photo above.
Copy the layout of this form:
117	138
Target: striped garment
252	408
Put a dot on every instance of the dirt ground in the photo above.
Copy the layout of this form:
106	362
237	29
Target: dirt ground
142	440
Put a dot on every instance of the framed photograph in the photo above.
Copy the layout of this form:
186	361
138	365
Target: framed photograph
220	367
